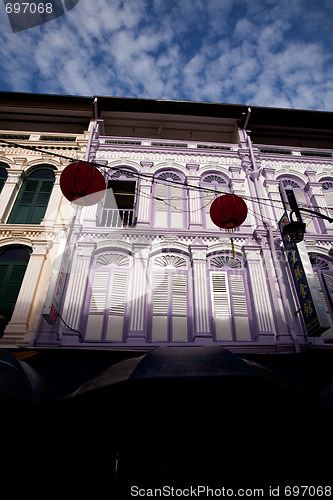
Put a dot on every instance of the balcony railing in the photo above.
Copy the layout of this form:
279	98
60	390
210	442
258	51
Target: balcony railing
117	218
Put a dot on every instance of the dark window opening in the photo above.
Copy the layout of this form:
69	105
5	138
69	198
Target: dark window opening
119	202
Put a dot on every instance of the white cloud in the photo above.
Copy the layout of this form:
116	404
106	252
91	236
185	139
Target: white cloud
258	53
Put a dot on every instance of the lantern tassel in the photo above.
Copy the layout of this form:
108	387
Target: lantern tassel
232	247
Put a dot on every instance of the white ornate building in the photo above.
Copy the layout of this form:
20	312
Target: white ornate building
148	267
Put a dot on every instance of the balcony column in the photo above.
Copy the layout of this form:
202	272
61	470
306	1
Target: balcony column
202	324
17	329
194	198
9	192
144	209
265	330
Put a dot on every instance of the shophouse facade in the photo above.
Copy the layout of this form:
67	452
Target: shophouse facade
147	266
35	132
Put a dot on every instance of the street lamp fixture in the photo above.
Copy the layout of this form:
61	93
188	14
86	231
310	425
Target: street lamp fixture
295	229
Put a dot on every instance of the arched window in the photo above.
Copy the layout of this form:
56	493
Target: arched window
13	263
169	201
231	309
118	207
3	175
107	298
170	299
293	195
33	197
214	185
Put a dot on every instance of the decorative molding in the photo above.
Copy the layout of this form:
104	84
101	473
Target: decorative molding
113	258
170	261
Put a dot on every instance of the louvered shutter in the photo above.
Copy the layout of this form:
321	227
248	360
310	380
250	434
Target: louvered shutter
97	306
179	307
31	203
160	306
239	305
118	299
221	306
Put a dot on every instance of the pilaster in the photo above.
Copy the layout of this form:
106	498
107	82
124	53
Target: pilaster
17	329
9	192
202	328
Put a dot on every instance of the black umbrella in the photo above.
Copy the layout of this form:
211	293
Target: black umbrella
21	384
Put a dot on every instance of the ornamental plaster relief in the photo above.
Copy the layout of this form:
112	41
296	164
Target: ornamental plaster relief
282	165
148	156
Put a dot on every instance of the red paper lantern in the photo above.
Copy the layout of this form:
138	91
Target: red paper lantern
228	211
82	183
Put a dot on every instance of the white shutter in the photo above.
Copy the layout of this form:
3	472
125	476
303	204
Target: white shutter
221	306
97	306
98	297
240	311
118	298
179	297
118	293
160	294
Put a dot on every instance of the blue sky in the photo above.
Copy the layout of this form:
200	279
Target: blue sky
275	53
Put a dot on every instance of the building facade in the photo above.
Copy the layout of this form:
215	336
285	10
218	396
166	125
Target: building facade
148	267
35	132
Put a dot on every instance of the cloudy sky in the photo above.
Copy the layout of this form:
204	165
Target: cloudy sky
275	53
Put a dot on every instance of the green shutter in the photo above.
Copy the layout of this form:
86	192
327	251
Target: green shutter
31	202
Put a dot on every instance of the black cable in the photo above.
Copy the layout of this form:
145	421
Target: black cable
70	328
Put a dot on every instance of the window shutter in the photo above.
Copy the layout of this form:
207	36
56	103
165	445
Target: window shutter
240	312
118	293
221	306
98	297
31	203
179	296
160	294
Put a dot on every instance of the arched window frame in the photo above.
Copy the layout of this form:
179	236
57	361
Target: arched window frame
231	314
289	184
110	212
170	299
14	260
33	197
169	200
216	183
107	303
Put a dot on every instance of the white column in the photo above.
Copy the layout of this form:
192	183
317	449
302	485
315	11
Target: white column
139	290
201	306
53	206
9	192
76	290
144	197
262	306
19	323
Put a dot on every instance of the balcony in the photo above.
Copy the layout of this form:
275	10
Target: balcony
111	217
